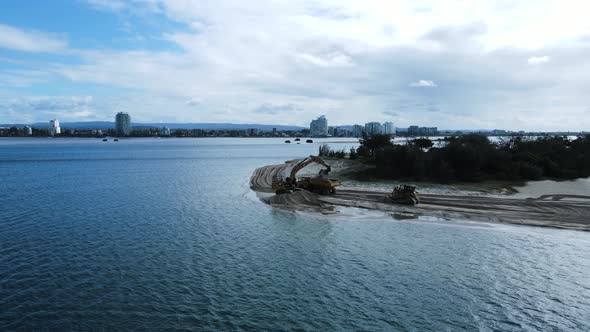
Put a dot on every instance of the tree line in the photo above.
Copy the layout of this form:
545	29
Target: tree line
475	158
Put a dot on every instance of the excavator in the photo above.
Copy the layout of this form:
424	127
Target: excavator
320	184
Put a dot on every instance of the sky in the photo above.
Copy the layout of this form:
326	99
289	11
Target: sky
455	64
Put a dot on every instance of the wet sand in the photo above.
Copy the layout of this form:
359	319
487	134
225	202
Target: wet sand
551	210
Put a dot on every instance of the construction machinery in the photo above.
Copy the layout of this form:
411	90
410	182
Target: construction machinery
404	194
320	184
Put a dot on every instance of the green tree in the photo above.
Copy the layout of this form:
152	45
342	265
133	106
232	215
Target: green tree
422	143
371	144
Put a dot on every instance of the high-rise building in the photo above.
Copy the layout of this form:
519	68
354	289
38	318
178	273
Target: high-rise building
165	131
358	130
27	131
373	128
422	131
431	131
123	124
388	128
319	127
54	128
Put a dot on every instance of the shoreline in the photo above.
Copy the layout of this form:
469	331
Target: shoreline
553	210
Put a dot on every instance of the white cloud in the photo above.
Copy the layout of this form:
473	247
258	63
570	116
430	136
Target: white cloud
30	41
42	108
423	84
51	103
537	60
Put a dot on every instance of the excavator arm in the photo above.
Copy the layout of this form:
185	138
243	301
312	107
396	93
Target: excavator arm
305	162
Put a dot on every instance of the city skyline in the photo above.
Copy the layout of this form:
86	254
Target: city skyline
513	65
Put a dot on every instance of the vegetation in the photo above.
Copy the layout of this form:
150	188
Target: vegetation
352	155
475	158
422	143
371	144
326	151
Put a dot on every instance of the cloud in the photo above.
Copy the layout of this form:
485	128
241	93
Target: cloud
461	36
34	109
30	41
391	113
52	103
274	109
41	108
423	84
329	60
193	102
537	60
11	78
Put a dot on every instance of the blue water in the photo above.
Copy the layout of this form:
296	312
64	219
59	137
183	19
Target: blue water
149	234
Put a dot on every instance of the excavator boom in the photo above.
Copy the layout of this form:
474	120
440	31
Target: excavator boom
305	162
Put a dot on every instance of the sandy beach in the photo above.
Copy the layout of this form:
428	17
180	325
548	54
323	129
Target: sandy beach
548	210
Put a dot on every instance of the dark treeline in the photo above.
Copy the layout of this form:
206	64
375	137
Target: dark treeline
476	158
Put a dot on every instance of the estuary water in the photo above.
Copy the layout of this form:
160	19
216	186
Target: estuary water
165	234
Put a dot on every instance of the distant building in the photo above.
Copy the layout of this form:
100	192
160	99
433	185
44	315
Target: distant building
165	131
388	128
430	131
339	132
373	128
422	131
252	132
54	128
499	132
27	131
274	131
123	124
319	127
331	131
358	130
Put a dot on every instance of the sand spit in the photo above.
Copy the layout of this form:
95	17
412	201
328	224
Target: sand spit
559	211
261	179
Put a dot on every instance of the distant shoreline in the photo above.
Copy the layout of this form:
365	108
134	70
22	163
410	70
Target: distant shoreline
184	137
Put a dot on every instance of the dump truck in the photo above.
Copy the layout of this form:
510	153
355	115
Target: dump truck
320	184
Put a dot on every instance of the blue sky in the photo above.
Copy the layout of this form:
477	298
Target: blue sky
454	64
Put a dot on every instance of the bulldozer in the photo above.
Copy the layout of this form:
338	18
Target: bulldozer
404	194
320	184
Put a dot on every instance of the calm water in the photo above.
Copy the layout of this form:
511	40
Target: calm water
153	234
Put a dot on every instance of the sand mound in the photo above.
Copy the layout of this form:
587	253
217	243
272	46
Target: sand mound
261	179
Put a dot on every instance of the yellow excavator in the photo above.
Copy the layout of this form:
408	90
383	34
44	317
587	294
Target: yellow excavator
319	184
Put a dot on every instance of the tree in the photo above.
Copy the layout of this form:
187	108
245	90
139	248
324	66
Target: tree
370	144
422	143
